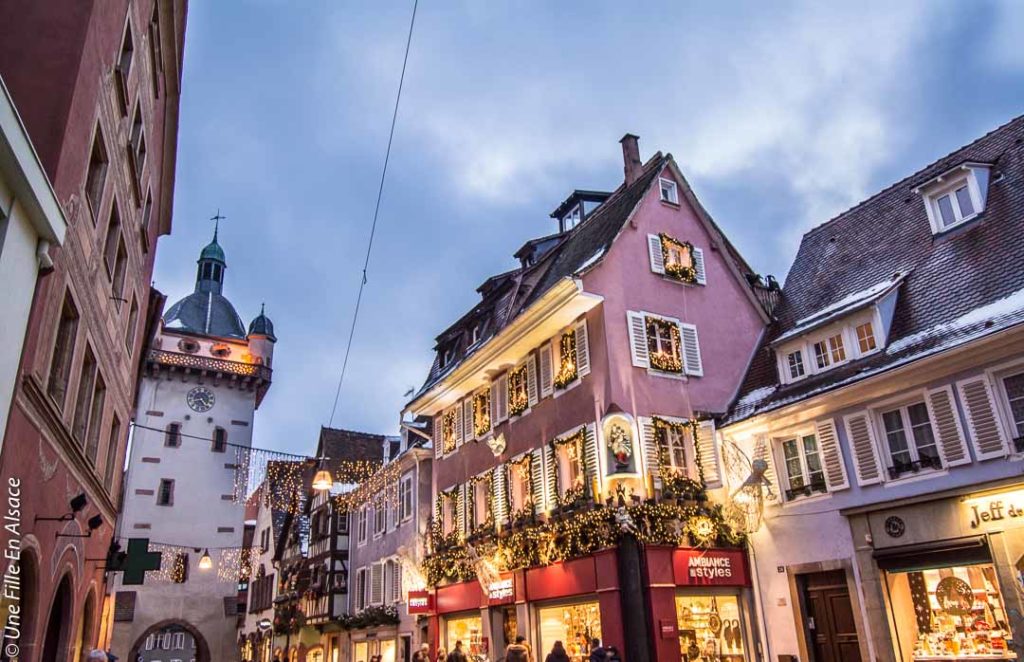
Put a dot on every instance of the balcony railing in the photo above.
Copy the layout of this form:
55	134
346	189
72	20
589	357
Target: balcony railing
926	462
818	486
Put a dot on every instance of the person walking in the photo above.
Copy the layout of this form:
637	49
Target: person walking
423	654
612	653
457	654
441	657
518	651
597	653
557	653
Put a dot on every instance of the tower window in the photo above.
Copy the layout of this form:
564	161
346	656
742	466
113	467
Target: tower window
165	496
112	448
220	440
63	349
172	436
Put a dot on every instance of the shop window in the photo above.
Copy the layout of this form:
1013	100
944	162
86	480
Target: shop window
710	628
950	613
803	466
909	440
575	625
570	468
468	630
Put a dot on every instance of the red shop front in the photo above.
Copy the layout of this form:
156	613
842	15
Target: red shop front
571	602
700	604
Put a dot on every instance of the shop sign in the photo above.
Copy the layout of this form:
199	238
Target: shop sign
501	592
419	602
1000	507
668	628
710	567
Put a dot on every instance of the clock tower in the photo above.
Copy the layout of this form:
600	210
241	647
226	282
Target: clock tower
204	376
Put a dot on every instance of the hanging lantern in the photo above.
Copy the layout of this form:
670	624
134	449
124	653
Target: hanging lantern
323	481
205	562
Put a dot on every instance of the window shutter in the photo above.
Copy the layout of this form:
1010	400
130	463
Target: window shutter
650	446
531	381
397	583
582	349
500	494
502	398
468	434
698	266
551	474
537	480
495	394
709	453
590	452
438	442
638	339
460	509
457	410
657	257
986	432
946	426
832	457
861	437
376	583
691	350
763	451
546	373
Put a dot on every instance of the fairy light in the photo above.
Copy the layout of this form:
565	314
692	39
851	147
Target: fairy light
482	412
518	399
666	361
678	258
567	360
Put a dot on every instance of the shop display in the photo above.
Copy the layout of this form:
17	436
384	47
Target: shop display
710	628
575	625
468	630
957	613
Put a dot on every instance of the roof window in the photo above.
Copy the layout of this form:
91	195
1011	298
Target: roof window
956	196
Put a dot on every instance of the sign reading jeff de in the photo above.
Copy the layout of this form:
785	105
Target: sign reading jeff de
710	567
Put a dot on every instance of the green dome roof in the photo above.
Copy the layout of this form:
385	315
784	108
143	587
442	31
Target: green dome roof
213	251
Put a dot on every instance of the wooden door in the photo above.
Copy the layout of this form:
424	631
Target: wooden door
831	627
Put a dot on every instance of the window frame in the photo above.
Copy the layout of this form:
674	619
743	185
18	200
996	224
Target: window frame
169	482
870	324
380	516
666	184
809	489
405	511
362	525
902	407
950	190
799	354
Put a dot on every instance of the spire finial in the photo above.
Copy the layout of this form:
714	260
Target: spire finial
263	307
216	218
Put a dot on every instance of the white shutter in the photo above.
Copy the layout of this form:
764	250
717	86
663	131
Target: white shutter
502	398
551	474
461	514
537	480
500	488
692	363
657	257
698	266
531	381
456	410
946	427
831	455
709	453
650	448
376	583
861	437
546	373
590	452
764	451
638	339
495	388
468	433
582	349
397	583
986	432
438	440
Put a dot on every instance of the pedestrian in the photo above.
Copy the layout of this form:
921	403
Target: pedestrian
557	653
613	654
457	654
597	654
518	651
441	657
423	654
97	655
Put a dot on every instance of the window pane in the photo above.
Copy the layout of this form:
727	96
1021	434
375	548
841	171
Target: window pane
924	439
946	211
835	343
963	197
813	460
866	337
897	438
821	355
796	365
794	471
1015	394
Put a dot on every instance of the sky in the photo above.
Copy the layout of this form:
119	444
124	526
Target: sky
781	115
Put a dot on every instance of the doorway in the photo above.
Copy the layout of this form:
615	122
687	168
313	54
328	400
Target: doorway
58	626
830	627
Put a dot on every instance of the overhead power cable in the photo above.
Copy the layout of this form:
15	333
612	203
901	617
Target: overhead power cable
376	212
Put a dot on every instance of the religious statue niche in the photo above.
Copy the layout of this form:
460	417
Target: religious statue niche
619	446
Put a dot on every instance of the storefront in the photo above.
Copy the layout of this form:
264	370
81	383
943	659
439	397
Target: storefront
701	604
950	573
576	624
368	643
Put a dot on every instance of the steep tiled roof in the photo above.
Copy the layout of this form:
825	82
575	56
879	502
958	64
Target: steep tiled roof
347	445
958	286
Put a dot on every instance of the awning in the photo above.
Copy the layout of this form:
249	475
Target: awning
932	555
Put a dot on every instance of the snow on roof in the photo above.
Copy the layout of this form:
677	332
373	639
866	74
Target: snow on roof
591	260
839	308
1005	306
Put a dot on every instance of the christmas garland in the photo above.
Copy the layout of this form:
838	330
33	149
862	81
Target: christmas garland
659	360
518	398
685	273
567	360
574	494
448	431
660	426
482	413
370	617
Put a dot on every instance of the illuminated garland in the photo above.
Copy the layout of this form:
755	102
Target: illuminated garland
567	360
476	528
666	362
575	493
583	533
662	425
518	397
685	273
524	466
448	431
376	481
370	617
482	413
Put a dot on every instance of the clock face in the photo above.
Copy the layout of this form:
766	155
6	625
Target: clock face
200	399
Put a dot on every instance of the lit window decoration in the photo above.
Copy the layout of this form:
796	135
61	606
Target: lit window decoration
678	256
677	483
476	524
567	360
518	399
664	344
575	493
522	469
482	413
703	530
448	431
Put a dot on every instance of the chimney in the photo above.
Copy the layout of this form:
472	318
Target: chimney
631	162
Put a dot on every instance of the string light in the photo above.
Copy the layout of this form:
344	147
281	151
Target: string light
482	412
448	431
567	360
666	361
518	398
675	267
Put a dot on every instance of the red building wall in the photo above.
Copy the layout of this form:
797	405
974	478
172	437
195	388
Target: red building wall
58	59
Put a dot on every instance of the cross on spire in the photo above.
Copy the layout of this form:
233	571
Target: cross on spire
216	218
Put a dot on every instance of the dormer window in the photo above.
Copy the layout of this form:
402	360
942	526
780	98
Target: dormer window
866	338
829	351
474	335
447	356
572	218
669	191
795	361
956	196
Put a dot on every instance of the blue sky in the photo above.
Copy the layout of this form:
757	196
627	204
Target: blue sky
781	116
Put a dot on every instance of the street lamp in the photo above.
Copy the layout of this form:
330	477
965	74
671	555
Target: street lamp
323	480
205	562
